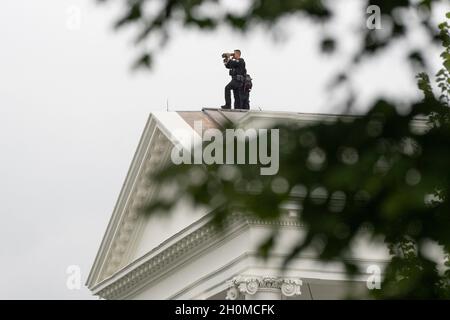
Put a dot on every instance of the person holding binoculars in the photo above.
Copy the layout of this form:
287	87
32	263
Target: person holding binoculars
238	73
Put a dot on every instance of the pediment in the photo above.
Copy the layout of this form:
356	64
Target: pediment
121	242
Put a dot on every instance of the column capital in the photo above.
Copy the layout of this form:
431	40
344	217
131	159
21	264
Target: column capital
250	285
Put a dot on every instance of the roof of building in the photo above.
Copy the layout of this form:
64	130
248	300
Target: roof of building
223	118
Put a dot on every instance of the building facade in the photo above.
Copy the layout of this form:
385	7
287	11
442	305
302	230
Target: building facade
184	256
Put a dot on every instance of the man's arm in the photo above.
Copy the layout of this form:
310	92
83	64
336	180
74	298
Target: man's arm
232	64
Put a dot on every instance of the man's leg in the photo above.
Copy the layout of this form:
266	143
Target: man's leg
243	97
245	100
228	89
237	98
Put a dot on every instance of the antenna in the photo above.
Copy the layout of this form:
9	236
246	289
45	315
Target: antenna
167	104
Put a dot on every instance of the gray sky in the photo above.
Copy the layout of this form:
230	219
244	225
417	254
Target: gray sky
71	114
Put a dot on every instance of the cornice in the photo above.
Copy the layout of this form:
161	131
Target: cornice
153	266
419	122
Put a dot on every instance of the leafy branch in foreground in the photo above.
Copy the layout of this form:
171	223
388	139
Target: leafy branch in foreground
152	21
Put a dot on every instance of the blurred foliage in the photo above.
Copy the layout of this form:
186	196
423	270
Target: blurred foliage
377	174
152	20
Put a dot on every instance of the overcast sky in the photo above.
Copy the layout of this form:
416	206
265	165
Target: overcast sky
71	114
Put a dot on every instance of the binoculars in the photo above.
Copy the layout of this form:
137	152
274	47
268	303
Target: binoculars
226	56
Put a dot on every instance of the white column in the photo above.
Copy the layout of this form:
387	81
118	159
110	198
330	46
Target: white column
263	288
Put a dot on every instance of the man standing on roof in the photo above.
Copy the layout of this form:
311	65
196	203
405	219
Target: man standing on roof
238	73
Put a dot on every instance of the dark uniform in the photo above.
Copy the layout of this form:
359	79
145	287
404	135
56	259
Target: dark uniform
237	73
245	93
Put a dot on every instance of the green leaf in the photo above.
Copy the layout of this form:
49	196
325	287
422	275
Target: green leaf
447	64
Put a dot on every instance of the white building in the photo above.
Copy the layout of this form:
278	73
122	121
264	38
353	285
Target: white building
182	256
